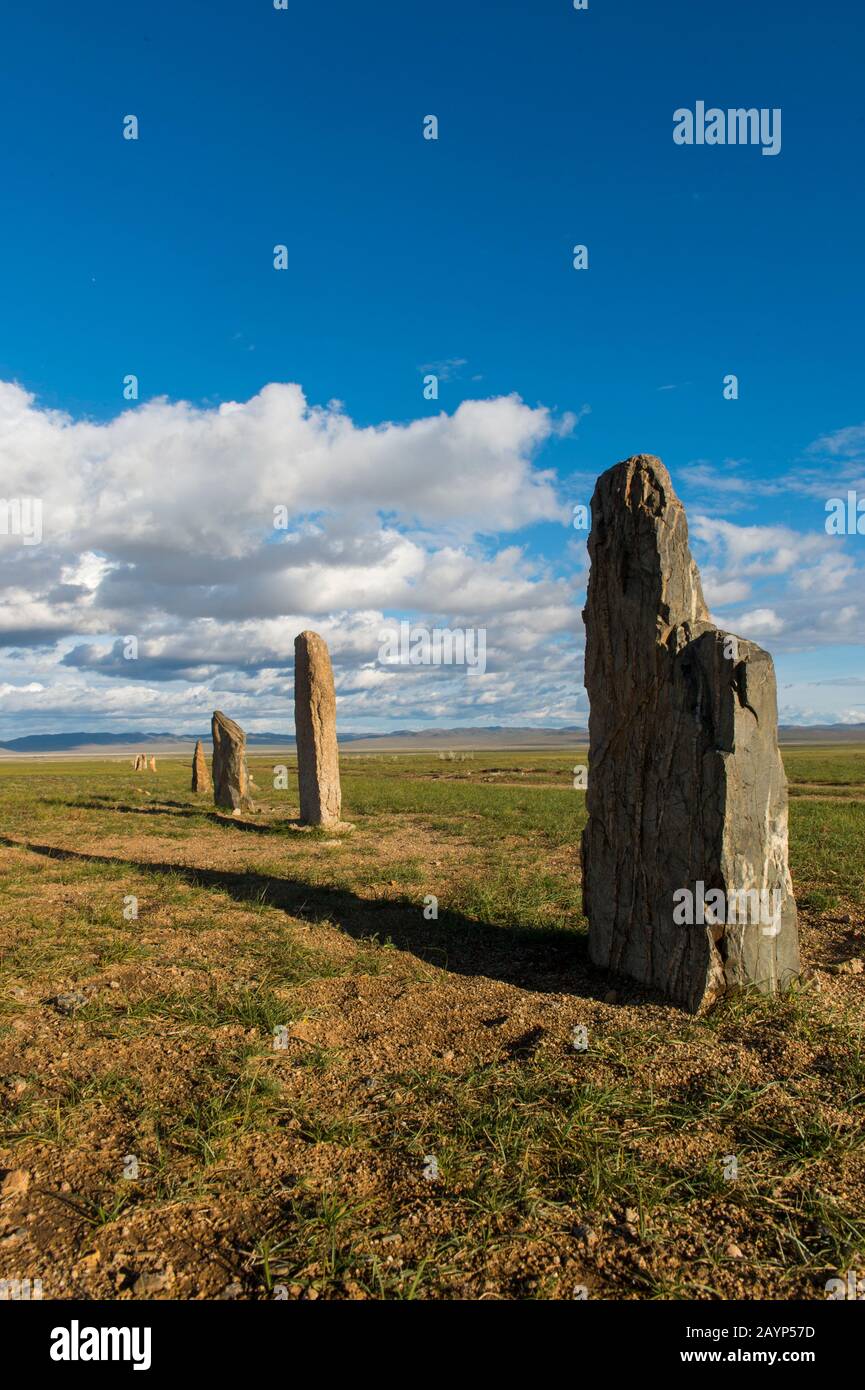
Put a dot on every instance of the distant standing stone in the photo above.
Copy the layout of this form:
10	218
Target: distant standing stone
200	773
230	775
152	764
687	795
315	724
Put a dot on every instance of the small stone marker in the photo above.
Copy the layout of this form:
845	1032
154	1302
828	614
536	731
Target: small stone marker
200	773
230	775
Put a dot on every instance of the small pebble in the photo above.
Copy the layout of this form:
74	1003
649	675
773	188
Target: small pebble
151	1282
74	1000
847	967
13	1237
15	1183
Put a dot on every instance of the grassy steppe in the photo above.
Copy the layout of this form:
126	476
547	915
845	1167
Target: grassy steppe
420	1124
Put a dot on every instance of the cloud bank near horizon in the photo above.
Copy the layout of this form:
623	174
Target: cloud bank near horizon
160	524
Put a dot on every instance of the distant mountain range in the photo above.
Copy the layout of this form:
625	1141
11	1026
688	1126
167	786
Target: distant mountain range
66	743
488	736
821	733
483	736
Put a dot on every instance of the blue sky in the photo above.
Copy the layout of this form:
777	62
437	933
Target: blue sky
304	127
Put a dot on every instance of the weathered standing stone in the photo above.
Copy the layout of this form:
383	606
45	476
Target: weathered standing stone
315	725
230	775
152	764
140	762
200	773
686	788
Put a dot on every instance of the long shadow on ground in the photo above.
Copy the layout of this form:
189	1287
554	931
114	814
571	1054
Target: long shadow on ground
186	813
545	962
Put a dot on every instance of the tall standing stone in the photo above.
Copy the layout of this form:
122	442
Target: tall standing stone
315	725
200	774
686	787
230	774
152	764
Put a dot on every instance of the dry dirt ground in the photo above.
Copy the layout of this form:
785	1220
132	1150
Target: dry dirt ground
240	1060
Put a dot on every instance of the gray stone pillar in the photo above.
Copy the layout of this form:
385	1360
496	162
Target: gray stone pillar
686	790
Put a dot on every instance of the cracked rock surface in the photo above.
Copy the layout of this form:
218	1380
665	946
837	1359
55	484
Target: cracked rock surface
686	786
